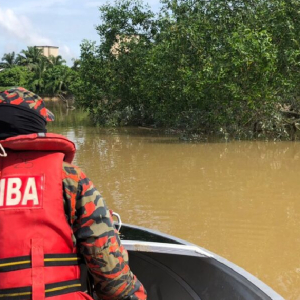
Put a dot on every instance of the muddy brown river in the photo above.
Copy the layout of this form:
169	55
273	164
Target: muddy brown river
240	200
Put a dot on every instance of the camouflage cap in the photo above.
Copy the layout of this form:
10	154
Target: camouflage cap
22	97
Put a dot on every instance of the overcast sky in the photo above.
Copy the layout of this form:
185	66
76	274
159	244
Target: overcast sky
61	23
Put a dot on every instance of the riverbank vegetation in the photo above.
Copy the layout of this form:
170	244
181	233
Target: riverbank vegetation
200	66
196	66
38	73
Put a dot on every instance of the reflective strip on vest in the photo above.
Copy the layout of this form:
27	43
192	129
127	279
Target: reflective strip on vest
50	260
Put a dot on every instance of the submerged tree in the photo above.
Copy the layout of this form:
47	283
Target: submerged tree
205	65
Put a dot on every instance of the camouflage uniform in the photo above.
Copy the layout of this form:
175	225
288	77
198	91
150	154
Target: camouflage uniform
93	231
97	239
28	100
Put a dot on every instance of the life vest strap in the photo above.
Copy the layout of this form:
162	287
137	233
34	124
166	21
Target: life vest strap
50	260
53	289
37	269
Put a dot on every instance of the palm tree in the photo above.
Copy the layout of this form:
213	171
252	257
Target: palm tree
58	79
76	64
30	56
56	60
9	60
39	69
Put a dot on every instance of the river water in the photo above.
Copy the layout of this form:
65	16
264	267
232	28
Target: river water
240	200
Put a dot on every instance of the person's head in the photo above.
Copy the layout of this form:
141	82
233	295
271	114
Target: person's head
22	112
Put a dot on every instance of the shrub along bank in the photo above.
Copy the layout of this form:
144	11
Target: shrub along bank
198	66
202	66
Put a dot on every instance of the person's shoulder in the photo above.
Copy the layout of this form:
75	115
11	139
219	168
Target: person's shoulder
72	171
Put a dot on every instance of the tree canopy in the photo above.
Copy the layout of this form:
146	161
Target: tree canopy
38	73
198	65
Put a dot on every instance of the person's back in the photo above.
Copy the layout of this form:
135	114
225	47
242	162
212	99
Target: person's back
49	210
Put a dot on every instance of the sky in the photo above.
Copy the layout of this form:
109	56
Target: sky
61	23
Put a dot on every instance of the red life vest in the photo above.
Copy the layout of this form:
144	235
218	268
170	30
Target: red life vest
37	256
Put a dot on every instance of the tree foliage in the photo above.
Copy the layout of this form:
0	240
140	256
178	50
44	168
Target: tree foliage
15	76
197	64
9	60
30	56
38	73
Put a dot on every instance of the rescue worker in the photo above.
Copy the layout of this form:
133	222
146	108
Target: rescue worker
50	211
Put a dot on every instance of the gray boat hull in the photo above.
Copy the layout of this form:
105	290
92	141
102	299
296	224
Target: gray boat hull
173	269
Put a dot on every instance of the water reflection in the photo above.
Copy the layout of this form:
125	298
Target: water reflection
237	199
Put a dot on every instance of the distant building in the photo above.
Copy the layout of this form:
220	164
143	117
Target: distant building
116	47
49	50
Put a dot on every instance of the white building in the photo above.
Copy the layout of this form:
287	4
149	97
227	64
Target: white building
49	50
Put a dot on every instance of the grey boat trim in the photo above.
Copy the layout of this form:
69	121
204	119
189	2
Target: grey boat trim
165	248
182	247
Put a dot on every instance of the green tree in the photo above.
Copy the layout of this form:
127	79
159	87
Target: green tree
109	70
38	69
38	73
9	60
58	79
56	60
30	56
76	64
15	76
124	23
198	65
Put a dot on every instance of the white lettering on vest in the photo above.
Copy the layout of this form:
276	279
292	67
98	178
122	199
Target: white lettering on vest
2	184
21	192
30	192
13	194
